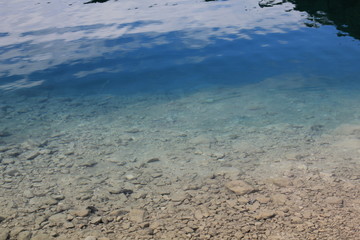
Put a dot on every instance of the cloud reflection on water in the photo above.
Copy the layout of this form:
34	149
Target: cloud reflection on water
39	36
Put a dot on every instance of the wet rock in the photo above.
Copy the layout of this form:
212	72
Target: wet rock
137	215
228	172
240	187
31	154
4	133
153	160
87	164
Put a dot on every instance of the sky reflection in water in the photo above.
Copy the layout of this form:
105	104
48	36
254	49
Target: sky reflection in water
124	41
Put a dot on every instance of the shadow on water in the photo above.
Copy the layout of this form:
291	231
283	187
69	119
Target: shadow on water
344	14
96	1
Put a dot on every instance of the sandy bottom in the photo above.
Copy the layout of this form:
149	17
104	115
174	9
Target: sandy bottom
275	160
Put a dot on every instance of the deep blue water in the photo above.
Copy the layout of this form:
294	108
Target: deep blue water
153	46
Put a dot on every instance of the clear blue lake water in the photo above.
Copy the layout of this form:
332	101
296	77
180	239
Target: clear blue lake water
143	111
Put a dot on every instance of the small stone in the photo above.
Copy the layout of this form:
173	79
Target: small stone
96	220
296	220
253	207
90	238
178	196
58	218
263	200
281	182
87	164
58	197
68	225
334	200
279	198
198	215
25	235
188	230
81	212
31	155
240	187
265	214
137	215
28	194
4	234
118	212
41	236
152	160
129	177
2	218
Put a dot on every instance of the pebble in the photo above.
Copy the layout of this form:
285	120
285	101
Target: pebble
137	215
81	212
281	182
68	225
41	236
4	234
334	200
25	235
178	196
240	187
129	177
90	238
96	220
279	198
263	200
31	155
152	160
87	164
265	214
58	218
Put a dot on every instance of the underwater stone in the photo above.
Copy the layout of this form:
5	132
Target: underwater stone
240	187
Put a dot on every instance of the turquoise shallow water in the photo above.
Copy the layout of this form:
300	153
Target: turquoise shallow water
172	49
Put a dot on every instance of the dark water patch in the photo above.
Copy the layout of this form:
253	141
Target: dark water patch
343	14
96	1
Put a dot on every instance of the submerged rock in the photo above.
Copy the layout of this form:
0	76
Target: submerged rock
240	187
